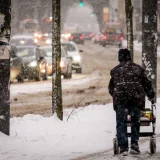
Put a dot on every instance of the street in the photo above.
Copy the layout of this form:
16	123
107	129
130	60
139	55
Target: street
89	87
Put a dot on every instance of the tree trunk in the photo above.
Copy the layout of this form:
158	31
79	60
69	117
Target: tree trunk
129	26
5	9
56	49
5	19
149	40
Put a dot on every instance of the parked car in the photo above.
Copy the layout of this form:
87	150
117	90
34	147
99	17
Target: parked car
96	38
24	40
77	38
73	51
65	64
16	65
35	65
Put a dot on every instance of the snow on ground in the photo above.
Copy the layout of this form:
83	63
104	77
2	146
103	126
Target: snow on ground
88	130
35	87
138	46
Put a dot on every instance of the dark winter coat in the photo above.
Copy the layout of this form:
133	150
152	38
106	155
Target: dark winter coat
129	85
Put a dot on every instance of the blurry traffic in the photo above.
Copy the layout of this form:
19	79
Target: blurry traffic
80	25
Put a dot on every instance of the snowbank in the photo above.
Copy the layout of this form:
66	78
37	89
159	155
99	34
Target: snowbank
88	130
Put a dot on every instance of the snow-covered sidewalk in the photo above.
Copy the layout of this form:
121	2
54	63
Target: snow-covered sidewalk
89	130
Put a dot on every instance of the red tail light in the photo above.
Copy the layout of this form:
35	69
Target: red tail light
97	38
121	38
104	37
90	35
82	36
71	37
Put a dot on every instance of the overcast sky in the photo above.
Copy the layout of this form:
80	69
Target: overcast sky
82	16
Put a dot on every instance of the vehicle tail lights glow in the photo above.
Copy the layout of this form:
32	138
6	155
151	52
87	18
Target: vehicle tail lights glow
71	37
121	38
97	38
104	37
91	35
82	36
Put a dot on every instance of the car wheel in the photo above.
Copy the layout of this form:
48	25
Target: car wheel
120	45
70	75
65	76
45	76
79	70
37	76
21	77
104	45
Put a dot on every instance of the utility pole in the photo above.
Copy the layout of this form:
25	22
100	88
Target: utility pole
129	26
5	20
149	40
56	58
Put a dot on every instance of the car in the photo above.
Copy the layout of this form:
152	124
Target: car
35	65
73	51
16	65
48	39
65	64
96	38
77	38
88	35
24	40
112	36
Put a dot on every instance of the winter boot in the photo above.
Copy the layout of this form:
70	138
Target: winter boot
124	151
135	149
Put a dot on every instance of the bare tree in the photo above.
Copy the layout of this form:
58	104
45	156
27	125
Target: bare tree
149	40
56	50
5	9
129	25
5	19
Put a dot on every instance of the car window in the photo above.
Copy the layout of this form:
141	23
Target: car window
70	47
26	52
63	52
22	41
46	52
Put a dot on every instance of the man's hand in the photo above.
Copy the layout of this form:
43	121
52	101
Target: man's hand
152	101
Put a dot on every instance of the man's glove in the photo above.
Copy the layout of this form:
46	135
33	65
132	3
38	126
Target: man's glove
152	101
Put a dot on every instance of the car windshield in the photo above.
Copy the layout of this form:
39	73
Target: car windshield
70	47
47	52
22	42
26	52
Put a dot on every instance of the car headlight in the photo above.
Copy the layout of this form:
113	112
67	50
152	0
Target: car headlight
35	40
33	64
46	34
48	41
36	34
61	64
77	58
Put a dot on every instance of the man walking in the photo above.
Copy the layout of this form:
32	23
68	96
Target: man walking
128	86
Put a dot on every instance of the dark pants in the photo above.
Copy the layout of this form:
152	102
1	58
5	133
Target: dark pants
122	112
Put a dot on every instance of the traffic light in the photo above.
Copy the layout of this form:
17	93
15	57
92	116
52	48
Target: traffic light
81	4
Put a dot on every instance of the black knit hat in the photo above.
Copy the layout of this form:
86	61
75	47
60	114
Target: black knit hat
124	55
